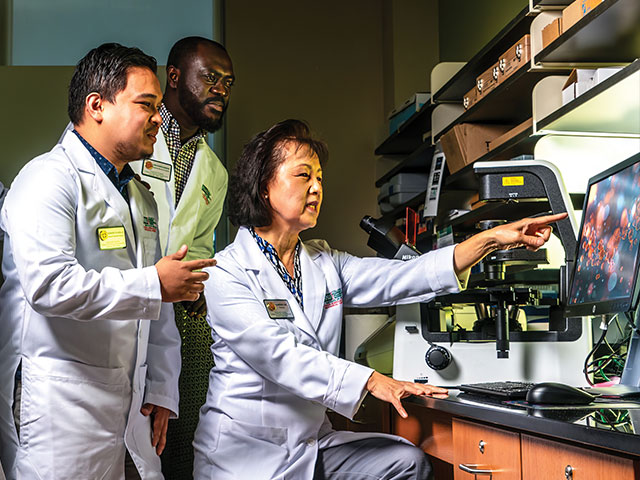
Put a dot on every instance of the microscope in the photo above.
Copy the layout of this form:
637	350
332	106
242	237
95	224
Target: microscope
487	332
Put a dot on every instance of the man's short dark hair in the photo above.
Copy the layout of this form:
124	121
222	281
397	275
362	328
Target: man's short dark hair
104	70
257	166
186	47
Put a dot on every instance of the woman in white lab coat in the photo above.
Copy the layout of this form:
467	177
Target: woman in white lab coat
275	306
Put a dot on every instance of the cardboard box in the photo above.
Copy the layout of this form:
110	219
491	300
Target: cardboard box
580	80
551	32
575	11
488	80
466	142
515	58
496	142
603	73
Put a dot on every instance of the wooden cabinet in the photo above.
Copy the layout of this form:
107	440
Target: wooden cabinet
428	429
501	453
547	459
486	450
373	416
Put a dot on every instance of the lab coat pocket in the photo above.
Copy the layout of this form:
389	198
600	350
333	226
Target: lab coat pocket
267	447
72	419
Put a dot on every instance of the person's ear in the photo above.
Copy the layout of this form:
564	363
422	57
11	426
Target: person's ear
173	75
94	106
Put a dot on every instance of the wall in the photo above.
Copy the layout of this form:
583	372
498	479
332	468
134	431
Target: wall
33	101
328	63
465	27
411	31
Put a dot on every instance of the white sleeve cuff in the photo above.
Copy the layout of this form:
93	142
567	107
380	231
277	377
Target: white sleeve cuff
352	390
151	310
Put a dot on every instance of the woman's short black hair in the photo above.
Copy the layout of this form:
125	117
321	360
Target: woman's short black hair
257	166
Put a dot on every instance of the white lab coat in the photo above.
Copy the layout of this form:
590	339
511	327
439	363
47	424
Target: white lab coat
96	340
274	379
196	217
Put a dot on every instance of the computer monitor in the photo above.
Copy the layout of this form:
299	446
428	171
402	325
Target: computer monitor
605	275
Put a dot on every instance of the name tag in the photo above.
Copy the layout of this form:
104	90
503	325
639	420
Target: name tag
111	238
156	169
278	309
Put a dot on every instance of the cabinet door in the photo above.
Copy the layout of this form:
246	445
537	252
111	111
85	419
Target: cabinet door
486	449
543	458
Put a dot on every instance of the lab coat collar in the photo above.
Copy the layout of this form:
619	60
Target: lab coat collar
140	198
80	156
250	257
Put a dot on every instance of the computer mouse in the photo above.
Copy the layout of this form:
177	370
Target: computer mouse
558	394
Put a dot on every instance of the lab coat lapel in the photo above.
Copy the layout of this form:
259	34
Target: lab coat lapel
270	280
164	200
101	184
139	199
314	287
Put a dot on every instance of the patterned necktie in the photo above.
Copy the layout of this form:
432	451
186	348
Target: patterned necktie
183	165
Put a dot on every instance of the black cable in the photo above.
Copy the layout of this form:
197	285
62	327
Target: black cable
585	370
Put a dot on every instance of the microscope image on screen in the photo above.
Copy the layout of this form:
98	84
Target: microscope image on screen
608	245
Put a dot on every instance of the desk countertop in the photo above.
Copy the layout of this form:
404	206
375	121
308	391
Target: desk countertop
612	426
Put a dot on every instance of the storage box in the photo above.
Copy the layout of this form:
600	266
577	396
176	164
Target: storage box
466	142
603	73
402	113
470	98
515	58
488	80
580	80
510	134
576	11
400	189
551	32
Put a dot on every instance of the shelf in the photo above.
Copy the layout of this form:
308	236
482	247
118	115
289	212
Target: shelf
555	4
610	108
399	211
609	34
508	103
455	89
418	161
408	137
521	144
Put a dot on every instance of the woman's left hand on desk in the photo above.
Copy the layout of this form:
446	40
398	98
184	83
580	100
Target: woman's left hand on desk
392	391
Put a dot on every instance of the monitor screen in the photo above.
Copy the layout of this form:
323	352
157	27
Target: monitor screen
606	265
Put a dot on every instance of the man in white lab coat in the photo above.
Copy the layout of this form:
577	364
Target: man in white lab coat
99	348
189	184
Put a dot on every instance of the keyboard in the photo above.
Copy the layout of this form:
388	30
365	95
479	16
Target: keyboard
502	390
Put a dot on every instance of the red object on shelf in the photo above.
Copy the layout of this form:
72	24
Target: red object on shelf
411	227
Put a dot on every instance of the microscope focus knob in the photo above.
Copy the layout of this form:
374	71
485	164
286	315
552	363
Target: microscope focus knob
437	357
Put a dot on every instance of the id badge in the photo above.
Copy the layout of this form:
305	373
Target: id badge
156	169
111	238
278	309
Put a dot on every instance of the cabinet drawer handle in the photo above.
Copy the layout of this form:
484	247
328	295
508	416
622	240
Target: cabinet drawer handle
474	469
568	472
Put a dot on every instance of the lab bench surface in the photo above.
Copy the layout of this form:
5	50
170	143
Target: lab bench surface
471	435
